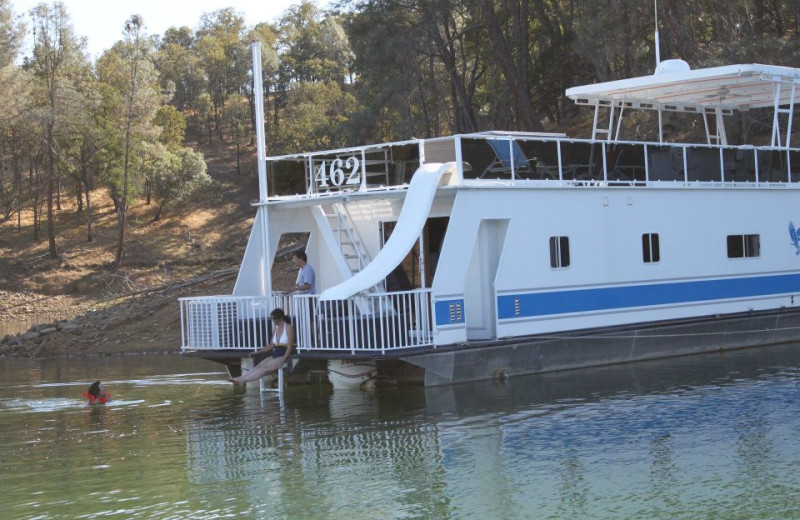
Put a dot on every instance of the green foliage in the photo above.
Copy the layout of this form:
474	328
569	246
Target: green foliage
172	124
11	34
178	176
316	117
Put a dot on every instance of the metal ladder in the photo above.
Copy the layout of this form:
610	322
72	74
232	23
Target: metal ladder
718	135
347	237
353	251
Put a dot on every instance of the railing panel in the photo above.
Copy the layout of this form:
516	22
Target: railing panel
545	159
227	322
376	323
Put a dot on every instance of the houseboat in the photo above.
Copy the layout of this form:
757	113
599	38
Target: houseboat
495	254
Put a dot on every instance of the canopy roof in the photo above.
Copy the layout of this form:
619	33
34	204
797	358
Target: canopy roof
739	87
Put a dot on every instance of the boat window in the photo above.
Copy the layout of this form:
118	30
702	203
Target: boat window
703	164
287	177
665	163
650	249
582	160
559	252
625	163
739	164
481	158
794	165
744	246
542	157
404	162
772	166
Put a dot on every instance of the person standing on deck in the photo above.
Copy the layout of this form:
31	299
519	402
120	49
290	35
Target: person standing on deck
306	278
305	284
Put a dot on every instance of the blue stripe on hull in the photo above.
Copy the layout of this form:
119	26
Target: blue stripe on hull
587	300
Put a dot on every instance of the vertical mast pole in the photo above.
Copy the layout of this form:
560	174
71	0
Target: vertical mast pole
258	94
263	213
658	45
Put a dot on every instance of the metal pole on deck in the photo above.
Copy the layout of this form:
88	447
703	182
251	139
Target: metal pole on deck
658	44
266	266
258	94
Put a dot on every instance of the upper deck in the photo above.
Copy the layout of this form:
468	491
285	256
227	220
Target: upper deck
495	159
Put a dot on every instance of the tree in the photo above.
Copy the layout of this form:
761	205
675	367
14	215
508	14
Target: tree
57	55
172	124
176	176
225	58
316	118
131	85
237	117
180	68
14	98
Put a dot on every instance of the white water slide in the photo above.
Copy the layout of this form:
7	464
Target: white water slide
416	208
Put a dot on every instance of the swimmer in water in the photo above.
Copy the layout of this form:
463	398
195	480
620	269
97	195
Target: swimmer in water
96	394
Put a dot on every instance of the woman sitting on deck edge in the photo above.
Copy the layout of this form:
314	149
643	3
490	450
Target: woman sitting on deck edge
281	344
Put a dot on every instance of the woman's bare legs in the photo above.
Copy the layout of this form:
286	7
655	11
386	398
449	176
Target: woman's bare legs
266	366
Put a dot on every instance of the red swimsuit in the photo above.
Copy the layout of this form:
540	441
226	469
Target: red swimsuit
101	399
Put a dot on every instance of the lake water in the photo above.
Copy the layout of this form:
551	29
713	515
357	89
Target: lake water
714	437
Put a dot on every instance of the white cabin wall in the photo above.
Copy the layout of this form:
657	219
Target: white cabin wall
605	228
299	220
248	280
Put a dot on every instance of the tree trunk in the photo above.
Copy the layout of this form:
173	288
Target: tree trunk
122	208
33	178
79	198
51	224
157	216
238	158
89	232
517	85
18	180
58	188
462	103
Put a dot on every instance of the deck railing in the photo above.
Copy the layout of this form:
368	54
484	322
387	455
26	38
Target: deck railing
227	322
548	159
376	322
364	323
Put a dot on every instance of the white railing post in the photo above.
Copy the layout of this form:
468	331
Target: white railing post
182	306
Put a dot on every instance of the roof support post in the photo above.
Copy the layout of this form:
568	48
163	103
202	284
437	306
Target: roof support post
777	111
791	113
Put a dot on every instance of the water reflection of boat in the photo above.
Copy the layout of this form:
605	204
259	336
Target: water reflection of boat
498	254
693	427
552	391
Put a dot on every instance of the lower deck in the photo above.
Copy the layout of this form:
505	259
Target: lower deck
502	359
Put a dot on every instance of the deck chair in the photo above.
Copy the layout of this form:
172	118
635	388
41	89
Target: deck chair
503	158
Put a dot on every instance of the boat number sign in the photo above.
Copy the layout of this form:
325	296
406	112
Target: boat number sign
339	172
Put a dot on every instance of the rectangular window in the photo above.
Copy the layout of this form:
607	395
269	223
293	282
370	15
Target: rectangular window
650	250
559	252
744	246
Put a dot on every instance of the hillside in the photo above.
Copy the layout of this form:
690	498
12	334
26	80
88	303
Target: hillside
194	249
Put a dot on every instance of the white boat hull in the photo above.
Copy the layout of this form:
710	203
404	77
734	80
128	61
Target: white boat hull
351	375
